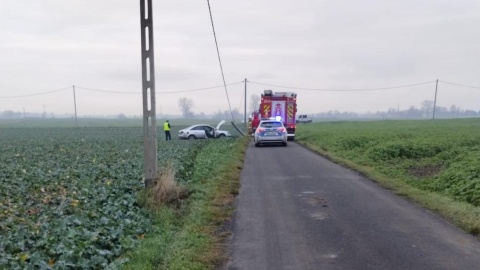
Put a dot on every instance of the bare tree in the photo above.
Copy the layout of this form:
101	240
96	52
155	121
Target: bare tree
254	101
226	114
454	110
186	105
427	107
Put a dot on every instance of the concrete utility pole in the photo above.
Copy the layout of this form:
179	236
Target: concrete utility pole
435	101
148	91
75	104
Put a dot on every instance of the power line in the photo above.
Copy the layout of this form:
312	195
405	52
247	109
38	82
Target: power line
108	91
457	84
219	60
344	90
200	89
166	92
37	94
218	86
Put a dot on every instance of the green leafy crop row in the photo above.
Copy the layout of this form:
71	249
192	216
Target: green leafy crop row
68	197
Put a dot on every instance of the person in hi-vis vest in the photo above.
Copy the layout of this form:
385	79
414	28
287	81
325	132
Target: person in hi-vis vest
166	127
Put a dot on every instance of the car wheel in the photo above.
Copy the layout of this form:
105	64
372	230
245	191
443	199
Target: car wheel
257	144
221	136
192	137
284	144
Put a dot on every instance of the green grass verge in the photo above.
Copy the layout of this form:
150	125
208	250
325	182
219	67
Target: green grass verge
190	233
433	163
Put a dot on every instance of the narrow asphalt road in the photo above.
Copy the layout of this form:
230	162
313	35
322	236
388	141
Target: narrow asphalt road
297	210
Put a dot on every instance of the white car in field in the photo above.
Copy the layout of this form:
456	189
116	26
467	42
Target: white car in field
203	131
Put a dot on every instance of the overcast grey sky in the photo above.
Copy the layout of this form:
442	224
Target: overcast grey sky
47	45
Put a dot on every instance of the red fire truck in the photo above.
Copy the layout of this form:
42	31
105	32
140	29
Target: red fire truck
277	105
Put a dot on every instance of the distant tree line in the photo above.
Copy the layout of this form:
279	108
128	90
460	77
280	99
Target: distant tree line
424	112
186	107
9	114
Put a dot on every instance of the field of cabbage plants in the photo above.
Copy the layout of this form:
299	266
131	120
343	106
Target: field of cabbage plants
68	196
442	156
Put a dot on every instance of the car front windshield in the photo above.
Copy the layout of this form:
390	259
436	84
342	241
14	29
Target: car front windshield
271	124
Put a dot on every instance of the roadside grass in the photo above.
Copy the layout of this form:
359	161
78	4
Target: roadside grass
436	164
165	189
191	231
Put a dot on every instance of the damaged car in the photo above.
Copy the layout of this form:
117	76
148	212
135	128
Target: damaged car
203	131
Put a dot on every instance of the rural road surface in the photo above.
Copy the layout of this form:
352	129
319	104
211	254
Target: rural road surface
297	210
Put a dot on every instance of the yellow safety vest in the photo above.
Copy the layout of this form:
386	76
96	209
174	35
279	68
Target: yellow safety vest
165	126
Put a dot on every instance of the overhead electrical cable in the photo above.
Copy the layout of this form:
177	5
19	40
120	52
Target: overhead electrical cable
108	91
219	59
158	93
344	90
199	89
457	84
38	94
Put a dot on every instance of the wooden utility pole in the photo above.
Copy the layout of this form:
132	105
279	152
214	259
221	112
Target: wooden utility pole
75	105
435	101
148	93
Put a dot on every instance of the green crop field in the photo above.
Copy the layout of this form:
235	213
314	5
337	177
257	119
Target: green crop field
95	122
414	158
69	196
72	197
